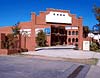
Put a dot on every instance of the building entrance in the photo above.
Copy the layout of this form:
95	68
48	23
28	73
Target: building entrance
58	35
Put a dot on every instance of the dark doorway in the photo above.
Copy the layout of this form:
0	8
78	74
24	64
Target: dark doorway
58	35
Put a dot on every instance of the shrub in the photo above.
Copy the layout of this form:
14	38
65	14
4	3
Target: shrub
93	46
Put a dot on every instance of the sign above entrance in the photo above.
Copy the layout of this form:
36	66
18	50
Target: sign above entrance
58	17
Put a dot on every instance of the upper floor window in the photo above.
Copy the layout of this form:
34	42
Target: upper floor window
60	14
69	32
73	32
76	32
57	14
53	13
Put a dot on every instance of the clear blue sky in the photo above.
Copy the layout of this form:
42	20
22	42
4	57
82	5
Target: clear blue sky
12	11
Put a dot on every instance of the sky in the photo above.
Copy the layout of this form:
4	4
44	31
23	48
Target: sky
13	11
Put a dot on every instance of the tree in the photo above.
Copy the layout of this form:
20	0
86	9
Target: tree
11	41
16	33
41	39
85	31
93	46
96	11
16	29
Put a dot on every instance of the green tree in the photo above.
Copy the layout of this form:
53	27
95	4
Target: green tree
16	29
11	41
41	39
16	33
96	11
93	46
85	31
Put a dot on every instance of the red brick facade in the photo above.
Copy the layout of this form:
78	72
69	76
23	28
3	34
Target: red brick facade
72	28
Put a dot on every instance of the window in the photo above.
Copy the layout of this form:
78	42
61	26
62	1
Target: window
53	13
69	40
60	14
76	32
69	32
73	40
57	14
73	32
76	39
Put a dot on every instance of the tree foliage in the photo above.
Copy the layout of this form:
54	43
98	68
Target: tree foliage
16	29
93	46
41	39
96	11
85	31
10	41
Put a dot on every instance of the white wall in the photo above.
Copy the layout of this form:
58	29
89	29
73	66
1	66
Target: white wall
71	27
58	17
26	32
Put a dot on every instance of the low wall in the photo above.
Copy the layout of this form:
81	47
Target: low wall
3	51
7	51
12	51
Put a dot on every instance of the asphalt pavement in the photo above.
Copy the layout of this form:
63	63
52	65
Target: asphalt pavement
30	67
92	71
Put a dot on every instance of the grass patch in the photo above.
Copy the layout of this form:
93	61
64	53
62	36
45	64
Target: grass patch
98	50
91	61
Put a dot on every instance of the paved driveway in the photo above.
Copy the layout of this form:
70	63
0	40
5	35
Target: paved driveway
63	53
30	67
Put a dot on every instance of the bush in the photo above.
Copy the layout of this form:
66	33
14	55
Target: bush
93	46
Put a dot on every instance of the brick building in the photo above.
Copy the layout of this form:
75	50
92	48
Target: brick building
59	26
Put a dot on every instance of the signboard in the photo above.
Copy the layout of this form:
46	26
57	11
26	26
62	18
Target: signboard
47	31
86	45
